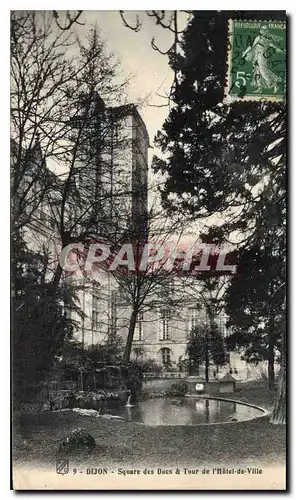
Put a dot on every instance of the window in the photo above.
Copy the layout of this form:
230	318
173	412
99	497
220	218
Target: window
194	317
222	320
95	319
95	312
165	356
164	325
95	303
113	322
139	327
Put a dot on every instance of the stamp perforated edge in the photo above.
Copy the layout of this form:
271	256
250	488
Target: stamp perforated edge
228	99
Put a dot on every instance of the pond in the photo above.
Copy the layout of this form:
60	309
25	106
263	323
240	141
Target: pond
186	411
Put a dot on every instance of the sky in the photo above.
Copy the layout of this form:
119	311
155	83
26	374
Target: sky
150	69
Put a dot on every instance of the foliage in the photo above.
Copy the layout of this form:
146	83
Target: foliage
177	389
217	347
150	365
254	303
94	400
108	353
205	343
69	401
40	326
215	157
133	376
91	357
99	377
54	98
228	160
78	441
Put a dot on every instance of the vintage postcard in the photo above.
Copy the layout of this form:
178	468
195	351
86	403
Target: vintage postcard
148	224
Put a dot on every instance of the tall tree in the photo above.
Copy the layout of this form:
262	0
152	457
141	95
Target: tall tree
205	344
224	160
147	279
61	93
254	304
36	308
64	101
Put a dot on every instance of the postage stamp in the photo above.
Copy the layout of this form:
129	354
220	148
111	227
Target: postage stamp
256	60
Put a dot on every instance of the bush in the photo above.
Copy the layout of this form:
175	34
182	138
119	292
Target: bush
132	373
69	401
78	441
116	381
170	367
151	366
177	389
93	400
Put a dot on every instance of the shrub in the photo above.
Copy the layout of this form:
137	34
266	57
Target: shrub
93	400
69	401
177	389
151	366
133	375
78	441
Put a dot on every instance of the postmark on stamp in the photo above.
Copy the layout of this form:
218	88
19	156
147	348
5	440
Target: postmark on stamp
256	60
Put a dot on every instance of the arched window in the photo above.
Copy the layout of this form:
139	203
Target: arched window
165	353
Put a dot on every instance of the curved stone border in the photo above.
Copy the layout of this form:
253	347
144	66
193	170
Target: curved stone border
265	412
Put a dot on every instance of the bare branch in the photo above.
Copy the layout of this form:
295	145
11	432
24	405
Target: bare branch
70	20
135	28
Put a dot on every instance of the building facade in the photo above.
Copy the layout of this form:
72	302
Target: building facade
118	176
120	182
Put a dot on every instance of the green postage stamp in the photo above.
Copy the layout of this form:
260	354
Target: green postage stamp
256	60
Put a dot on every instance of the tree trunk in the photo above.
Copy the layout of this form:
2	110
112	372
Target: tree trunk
270	364
81	384
279	412
57	275
207	362
190	367
270	352
130	336
207	348
207	411
194	367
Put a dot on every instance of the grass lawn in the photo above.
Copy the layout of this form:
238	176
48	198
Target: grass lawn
36	438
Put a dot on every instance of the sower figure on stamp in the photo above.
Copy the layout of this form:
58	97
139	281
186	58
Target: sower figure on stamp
263	77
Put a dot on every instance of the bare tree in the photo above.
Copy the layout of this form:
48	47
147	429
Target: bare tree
42	79
208	291
65	99
146	279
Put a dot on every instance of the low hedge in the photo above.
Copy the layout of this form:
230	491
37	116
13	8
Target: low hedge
177	389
